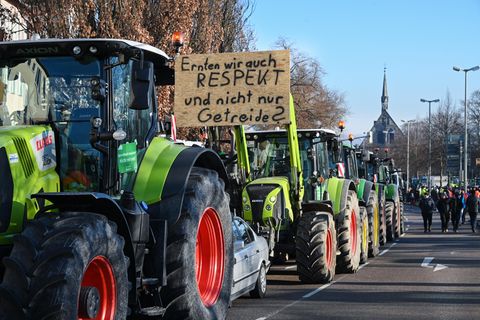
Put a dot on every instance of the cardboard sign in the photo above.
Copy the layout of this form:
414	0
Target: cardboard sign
232	89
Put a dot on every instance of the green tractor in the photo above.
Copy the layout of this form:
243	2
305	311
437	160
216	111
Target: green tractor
381	171
101	219
368	202
297	207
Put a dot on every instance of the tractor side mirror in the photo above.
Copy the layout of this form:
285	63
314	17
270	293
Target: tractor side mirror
141	86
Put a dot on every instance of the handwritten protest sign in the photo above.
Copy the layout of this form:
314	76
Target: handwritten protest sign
232	88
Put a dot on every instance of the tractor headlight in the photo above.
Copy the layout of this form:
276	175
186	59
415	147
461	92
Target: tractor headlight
268	207
246	208
273	199
244	199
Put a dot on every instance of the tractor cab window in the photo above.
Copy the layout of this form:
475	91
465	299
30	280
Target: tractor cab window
322	158
270	157
56	91
135	123
351	163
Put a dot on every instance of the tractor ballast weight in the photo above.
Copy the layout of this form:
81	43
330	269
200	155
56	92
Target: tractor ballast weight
98	206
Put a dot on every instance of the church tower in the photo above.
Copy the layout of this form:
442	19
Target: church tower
384	131
384	91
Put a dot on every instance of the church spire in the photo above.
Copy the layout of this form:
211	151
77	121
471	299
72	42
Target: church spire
384	91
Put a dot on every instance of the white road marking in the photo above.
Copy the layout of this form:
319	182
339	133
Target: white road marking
426	264
308	295
289	267
363	265
388	249
439	267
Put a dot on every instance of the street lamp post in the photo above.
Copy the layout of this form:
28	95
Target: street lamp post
465	156
408	151
429	139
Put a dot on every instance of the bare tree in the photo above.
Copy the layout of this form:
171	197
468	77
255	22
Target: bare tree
315	104
473	106
445	121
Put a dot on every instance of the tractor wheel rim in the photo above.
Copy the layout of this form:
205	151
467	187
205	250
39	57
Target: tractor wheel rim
353	232
209	257
99	274
329	249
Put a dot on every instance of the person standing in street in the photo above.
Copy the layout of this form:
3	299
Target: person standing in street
464	194
427	206
456	209
444	210
472	207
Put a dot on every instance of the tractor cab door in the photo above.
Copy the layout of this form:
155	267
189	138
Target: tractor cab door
134	115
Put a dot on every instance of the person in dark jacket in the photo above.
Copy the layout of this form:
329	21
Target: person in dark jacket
427	206
456	209
472	208
444	210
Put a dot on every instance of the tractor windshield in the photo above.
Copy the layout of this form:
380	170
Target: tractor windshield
42	89
269	157
58	91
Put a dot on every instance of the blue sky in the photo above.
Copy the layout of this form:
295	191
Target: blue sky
418	41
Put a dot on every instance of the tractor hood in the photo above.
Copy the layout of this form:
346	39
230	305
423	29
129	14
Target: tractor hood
267	200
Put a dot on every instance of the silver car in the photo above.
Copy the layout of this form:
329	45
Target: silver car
251	261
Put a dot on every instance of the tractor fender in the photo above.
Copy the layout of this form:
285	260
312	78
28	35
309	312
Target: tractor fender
169	204
364	187
338	189
392	192
314	205
102	204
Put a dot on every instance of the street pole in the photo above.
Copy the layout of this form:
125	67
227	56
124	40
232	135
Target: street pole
429	140
465	145
429	145
408	155
408	151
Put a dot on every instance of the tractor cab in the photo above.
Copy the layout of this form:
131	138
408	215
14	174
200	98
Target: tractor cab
350	161
96	97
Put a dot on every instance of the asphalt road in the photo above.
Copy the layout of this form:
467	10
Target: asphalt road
394	285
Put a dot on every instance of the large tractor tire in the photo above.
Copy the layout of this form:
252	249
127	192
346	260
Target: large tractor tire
374	222
316	247
349	239
66	266
364	233
390	220
402	218
398	219
383	221
200	252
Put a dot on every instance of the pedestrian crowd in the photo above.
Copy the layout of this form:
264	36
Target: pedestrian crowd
452	204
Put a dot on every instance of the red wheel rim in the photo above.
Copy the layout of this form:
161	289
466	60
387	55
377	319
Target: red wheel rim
210	257
329	249
99	274
353	231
